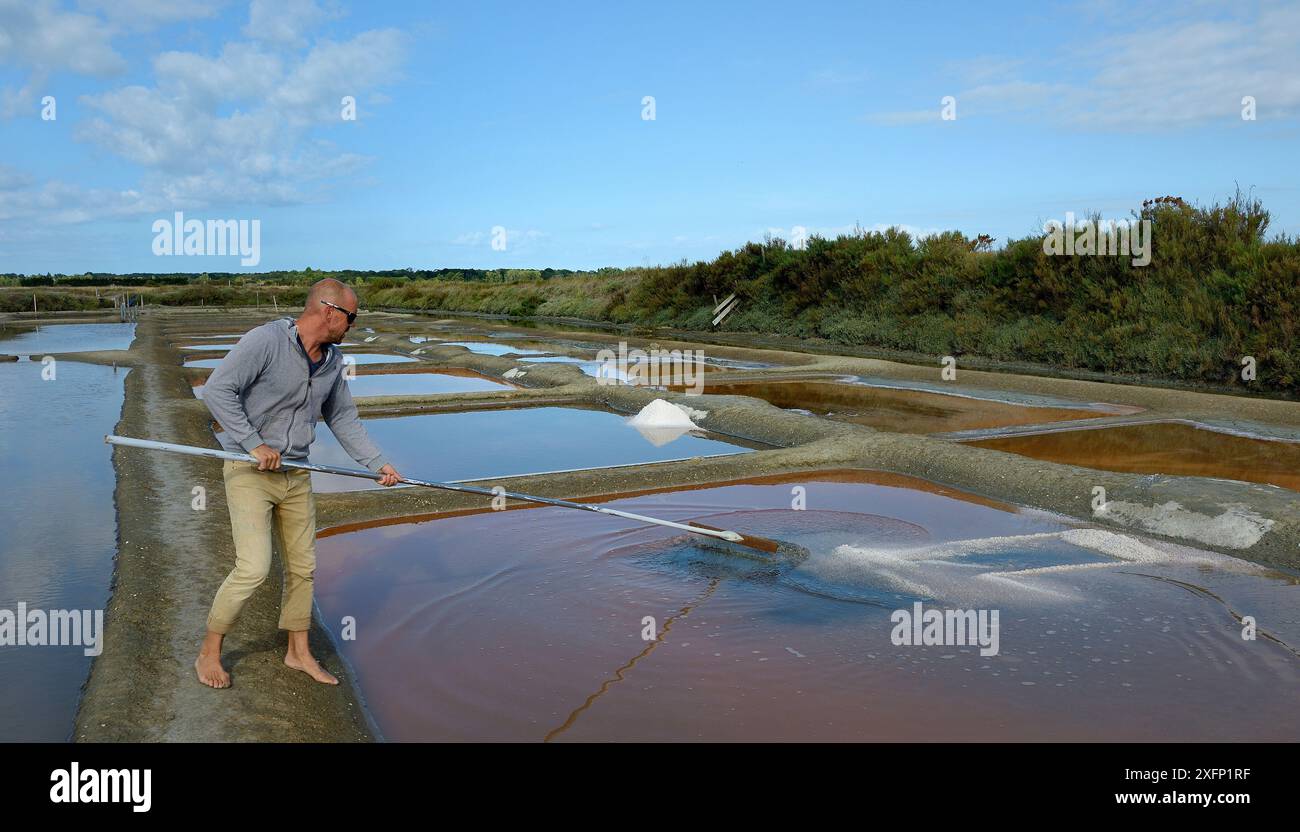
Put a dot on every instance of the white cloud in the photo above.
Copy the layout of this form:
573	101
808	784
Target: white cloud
242	126
41	39
12	179
56	203
197	150
44	38
284	22
1159	72
146	14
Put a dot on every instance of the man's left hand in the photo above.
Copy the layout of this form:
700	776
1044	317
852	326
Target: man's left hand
390	476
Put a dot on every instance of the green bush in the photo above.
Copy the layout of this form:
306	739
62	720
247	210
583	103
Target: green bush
1216	290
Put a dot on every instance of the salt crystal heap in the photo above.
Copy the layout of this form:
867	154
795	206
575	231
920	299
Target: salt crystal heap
660	422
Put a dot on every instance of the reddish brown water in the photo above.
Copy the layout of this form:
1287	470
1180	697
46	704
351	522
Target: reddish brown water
898	411
530	625
1174	449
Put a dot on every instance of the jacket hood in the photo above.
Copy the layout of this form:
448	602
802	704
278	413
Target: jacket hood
290	329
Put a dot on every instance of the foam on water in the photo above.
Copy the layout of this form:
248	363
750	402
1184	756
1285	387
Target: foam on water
1000	564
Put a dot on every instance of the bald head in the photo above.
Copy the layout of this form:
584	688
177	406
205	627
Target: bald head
332	291
325	319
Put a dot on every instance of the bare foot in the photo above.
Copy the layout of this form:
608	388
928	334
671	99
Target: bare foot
211	673
308	664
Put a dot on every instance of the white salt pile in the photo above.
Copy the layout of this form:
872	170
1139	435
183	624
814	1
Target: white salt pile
663	414
660	422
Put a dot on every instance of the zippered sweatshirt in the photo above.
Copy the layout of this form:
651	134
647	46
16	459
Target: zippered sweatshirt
262	393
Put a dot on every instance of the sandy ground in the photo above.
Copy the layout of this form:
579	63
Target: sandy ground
172	558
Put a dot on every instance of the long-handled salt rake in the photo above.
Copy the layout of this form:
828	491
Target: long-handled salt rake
762	544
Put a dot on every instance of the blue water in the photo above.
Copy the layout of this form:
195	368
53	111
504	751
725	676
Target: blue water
420	384
489	443
356	357
488	349
59	529
68	338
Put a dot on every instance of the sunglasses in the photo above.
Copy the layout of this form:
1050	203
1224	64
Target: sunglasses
352	316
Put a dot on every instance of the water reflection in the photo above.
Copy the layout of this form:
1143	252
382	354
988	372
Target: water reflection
59	529
52	338
1172	449
490	443
532	625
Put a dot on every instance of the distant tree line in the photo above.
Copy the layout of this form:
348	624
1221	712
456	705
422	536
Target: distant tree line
1216	292
285	278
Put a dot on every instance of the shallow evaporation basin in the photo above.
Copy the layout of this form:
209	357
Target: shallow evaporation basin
60	534
348	357
1162	448
228	347
897	410
489	348
511	442
55	338
609	630
417	383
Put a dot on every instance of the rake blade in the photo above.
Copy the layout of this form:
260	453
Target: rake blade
752	541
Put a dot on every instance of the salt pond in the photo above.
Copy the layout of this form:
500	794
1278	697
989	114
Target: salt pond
1163	448
904	411
352	357
55	338
59	526
490	443
424	383
489	348
606	630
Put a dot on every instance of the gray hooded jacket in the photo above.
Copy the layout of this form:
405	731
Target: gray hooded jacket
262	394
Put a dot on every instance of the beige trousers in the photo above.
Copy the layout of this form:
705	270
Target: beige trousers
263	502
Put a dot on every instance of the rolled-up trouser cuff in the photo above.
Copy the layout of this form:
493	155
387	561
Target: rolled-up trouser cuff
221	627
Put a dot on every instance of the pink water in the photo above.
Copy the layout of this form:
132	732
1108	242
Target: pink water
529	625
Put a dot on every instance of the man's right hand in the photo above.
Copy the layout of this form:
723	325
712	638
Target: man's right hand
267	459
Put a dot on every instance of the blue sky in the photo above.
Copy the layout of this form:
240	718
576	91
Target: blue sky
528	117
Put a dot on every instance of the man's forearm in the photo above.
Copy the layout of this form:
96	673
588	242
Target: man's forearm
356	441
340	414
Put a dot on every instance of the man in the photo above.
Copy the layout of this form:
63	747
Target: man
267	395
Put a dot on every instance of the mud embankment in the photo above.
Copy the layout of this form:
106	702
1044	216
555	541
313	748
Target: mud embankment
171	559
